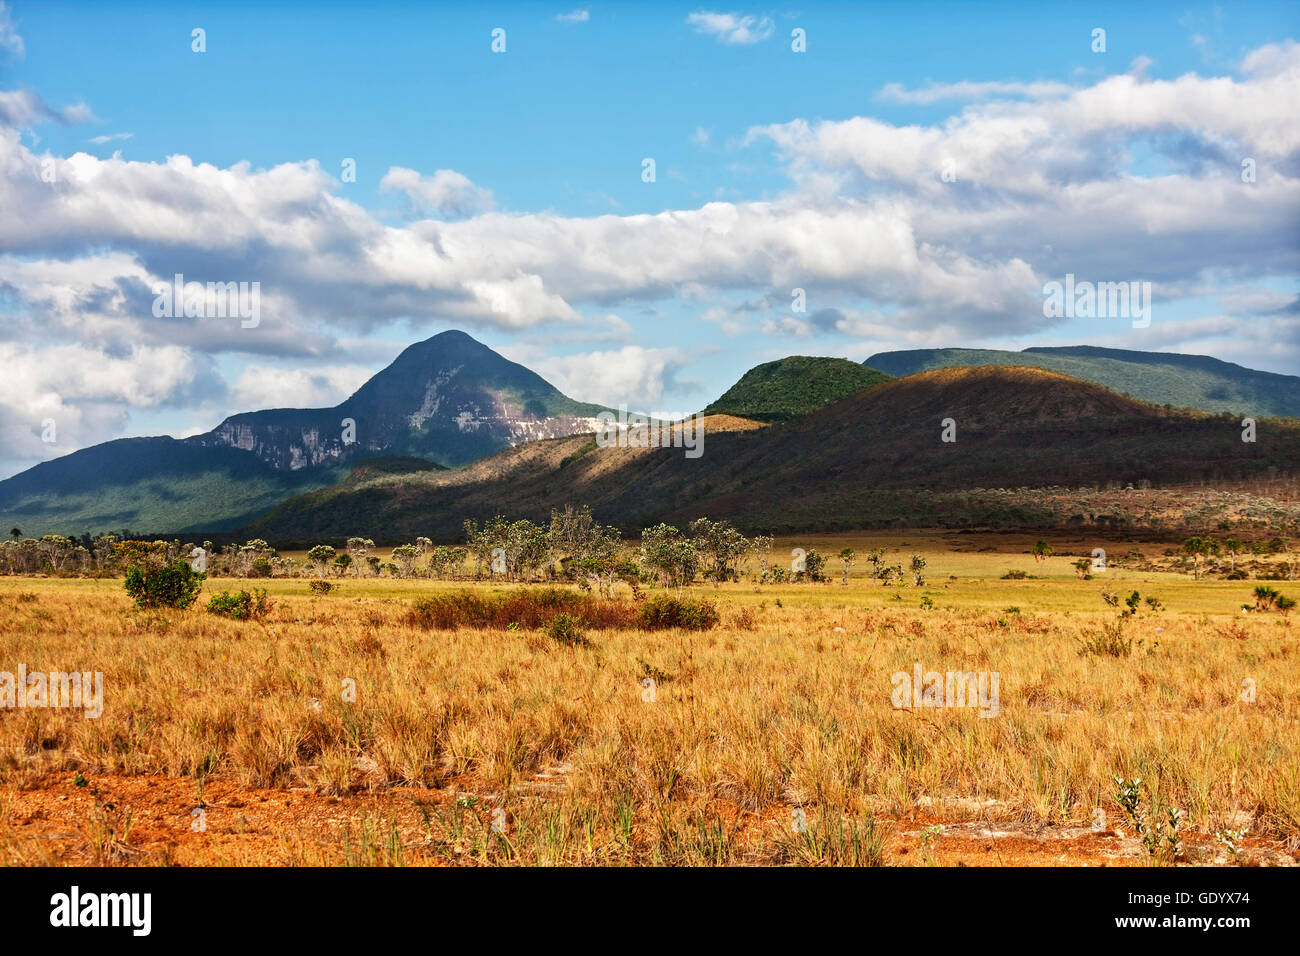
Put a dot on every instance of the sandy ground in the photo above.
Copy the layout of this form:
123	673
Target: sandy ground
52	820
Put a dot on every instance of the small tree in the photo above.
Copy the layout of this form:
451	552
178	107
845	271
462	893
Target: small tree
404	557
321	556
359	548
918	565
814	566
720	547
1198	548
1232	546
846	556
665	550
761	546
876	558
1042	551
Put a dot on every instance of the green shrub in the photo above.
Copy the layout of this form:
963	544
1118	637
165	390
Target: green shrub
663	611
241	605
174	585
567	630
320	587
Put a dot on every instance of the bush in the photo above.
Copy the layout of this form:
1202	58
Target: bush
567	630
1112	642
320	587
531	608
241	605
538	607
174	585
664	611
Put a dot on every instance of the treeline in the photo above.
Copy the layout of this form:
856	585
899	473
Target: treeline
573	546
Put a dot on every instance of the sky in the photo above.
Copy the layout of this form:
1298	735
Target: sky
639	201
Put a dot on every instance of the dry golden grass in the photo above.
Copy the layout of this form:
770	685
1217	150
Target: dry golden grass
756	720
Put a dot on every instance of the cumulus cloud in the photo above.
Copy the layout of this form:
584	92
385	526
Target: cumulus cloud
264	386
446	194
634	375
77	394
732	28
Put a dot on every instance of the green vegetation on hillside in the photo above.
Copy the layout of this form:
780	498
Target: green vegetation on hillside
151	484
790	387
1161	378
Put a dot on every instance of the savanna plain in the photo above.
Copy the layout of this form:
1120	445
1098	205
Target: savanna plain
339	729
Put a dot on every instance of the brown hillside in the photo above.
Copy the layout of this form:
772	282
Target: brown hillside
851	462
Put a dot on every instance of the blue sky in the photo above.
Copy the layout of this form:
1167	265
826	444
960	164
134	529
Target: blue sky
515	178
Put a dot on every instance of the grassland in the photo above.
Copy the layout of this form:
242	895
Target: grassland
231	742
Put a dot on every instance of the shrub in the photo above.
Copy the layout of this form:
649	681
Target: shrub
1112	642
320	587
241	605
174	585
531	608
567	630
663	611
537	607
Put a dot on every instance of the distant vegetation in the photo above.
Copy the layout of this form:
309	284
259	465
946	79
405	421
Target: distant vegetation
1161	378
1033	449
790	387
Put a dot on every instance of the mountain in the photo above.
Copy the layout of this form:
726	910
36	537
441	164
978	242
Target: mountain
794	386
447	400
874	459
1161	378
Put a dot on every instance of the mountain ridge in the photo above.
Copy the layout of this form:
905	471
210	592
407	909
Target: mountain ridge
448	399
1180	380
869	460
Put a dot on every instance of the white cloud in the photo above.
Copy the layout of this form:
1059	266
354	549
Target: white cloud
446	194
10	41
575	16
633	375
787	325
732	28
969	90
24	108
264	386
86	393
109	137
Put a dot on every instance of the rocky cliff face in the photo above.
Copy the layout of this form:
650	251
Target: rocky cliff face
449	399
